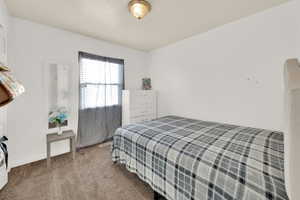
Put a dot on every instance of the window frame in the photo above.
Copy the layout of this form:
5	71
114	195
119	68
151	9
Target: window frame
121	85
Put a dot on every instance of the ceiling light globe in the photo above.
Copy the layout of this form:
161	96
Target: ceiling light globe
139	8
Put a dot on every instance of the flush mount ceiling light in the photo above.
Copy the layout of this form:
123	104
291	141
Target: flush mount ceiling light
139	8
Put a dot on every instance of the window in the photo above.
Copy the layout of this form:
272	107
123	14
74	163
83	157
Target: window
101	81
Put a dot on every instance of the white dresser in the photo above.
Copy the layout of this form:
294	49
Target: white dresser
138	106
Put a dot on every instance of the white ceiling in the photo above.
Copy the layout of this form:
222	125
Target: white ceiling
168	22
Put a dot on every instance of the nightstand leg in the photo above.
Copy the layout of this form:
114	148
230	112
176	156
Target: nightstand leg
73	147
48	154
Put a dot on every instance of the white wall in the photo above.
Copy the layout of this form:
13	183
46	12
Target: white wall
4	21
33	45
231	74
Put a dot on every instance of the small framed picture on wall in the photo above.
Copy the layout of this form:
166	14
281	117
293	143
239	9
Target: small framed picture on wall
147	84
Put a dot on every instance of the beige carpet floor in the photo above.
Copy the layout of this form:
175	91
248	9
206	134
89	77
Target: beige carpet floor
92	176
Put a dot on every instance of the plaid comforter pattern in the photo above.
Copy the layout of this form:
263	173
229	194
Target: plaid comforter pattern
187	159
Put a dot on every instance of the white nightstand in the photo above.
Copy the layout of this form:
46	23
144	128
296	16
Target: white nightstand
53	137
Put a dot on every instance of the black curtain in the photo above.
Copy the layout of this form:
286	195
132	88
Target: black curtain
100	93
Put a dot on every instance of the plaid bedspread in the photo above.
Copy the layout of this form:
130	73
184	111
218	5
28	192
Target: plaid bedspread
186	159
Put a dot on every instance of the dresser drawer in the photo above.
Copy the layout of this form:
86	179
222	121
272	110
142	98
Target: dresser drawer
143	117
142	101
142	110
138	119
142	93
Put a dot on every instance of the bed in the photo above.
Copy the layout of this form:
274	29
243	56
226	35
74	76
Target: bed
187	159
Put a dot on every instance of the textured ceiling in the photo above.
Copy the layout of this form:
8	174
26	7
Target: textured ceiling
168	22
